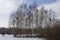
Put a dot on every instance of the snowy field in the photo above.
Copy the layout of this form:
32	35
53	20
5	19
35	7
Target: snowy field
10	37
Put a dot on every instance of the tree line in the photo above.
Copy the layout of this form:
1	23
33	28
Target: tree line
30	18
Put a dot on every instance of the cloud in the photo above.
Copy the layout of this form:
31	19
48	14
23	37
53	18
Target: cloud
55	6
6	8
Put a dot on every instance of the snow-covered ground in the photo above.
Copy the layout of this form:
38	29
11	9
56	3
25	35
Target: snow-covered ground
10	37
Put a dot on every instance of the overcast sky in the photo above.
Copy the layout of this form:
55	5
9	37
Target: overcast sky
6	8
9	6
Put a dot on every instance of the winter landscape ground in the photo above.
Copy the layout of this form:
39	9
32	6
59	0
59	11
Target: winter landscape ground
10	37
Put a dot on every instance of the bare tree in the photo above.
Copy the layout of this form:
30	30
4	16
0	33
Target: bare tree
29	17
12	20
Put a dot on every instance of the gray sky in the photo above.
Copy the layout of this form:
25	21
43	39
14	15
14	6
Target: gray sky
6	8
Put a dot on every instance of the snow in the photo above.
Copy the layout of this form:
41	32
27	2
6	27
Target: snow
10	37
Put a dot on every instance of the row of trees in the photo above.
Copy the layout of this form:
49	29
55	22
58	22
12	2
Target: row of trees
49	32
31	17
